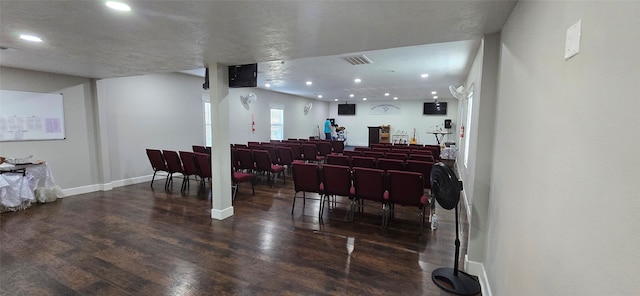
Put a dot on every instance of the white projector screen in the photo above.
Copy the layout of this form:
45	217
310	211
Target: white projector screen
27	116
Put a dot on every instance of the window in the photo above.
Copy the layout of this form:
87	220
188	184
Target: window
206	106
277	120
467	128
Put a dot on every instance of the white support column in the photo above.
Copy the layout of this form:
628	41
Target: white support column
102	123
220	151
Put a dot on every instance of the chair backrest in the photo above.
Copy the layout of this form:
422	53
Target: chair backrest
338	160
297	151
253	144
435	151
396	155
174	164
375	154
336	180
245	159
338	146
273	152
405	188
422	167
310	152
234	159
361	149
199	149
352	153
369	184
203	161
263	160
380	149
422	157
157	160
306	177
363	162
324	148
285	155
189	163
421	151
390	164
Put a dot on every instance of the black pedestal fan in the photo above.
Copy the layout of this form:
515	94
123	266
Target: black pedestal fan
446	188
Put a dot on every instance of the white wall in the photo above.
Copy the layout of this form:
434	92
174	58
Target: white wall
564	195
296	123
161	111
410	117
72	160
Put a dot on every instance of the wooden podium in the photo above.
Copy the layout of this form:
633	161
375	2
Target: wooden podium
379	134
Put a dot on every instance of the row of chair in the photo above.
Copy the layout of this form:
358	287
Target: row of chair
391	187
258	161
201	149
190	164
392	155
384	164
324	147
185	163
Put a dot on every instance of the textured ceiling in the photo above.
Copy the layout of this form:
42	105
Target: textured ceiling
85	38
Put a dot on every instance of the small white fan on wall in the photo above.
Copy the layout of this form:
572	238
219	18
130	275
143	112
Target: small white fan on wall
459	92
247	99
307	108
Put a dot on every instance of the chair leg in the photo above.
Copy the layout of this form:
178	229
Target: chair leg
234	190
321	208
352	209
294	202
152	178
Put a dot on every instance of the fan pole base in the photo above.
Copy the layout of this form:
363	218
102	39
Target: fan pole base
460	282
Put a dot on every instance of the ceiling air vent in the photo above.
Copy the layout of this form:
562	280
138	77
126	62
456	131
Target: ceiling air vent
357	60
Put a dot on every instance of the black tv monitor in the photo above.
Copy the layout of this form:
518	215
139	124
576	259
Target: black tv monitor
243	75
346	109
437	108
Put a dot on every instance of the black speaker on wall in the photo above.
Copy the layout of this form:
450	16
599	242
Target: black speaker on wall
447	123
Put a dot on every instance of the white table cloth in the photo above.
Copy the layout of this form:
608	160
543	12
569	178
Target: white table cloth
18	191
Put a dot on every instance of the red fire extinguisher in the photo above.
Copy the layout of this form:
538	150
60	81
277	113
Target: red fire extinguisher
462	131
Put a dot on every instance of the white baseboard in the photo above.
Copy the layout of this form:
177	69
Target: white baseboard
467	206
131	181
81	190
106	186
222	214
477	269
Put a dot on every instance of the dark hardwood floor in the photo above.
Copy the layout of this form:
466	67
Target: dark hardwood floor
135	240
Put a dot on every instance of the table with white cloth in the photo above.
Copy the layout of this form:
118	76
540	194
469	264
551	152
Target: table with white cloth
22	185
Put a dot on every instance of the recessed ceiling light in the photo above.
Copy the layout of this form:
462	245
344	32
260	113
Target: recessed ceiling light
30	38
424	75
364	99
319	96
395	98
357	80
118	6
434	92
435	97
309	83
335	100
267	85
351	95
386	94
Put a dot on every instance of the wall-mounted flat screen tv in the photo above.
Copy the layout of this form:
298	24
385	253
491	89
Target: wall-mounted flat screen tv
243	75
346	109
437	108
